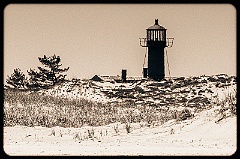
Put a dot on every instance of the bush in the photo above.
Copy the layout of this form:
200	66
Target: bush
228	106
17	79
185	114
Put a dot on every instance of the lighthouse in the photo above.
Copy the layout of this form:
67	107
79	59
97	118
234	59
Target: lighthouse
156	42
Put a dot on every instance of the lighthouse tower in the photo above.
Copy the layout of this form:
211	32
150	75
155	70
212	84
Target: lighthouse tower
156	41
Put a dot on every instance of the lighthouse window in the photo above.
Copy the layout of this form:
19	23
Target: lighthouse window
162	35
155	36
154	33
148	35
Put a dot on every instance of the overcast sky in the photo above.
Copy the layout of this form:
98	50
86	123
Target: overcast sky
104	38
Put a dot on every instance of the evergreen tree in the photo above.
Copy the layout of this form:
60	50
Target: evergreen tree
35	81
51	74
17	79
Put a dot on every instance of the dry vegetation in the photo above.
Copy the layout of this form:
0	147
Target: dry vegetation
227	106
32	109
29	108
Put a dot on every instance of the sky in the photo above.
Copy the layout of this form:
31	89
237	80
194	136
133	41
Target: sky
103	39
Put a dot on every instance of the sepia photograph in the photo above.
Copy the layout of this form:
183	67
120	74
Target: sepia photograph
120	80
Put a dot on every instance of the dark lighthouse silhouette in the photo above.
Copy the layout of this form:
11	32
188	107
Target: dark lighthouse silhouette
155	41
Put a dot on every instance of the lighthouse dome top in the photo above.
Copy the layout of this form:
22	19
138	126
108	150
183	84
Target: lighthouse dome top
156	25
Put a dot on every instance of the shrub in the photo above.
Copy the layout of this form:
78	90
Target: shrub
128	127
185	114
17	79
228	106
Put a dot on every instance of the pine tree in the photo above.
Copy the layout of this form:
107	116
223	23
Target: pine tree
35	81
17	79
51	72
49	75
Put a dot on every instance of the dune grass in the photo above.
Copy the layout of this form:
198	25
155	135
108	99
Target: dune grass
29	108
32	109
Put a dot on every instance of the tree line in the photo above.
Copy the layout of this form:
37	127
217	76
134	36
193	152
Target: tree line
48	75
